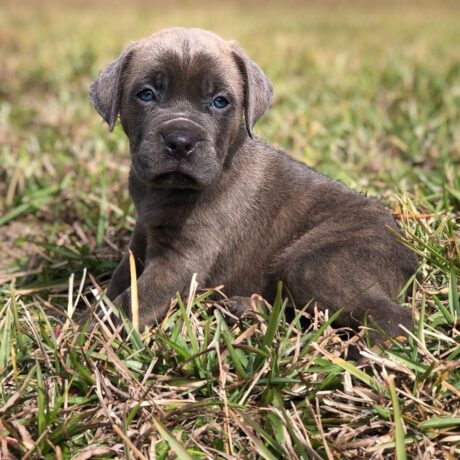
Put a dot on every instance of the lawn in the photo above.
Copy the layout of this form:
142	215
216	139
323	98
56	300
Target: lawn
368	94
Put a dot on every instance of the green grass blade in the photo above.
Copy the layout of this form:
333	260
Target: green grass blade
453	293
400	435
228	338
175	445
359	374
440	423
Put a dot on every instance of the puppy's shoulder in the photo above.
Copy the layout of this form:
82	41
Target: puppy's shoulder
278	161
292	173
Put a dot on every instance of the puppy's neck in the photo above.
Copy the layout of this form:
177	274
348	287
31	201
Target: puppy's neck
171	208
237	145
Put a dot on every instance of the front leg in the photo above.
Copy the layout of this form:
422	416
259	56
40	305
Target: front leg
160	281
121	277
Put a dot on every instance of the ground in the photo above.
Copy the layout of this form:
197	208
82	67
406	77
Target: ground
368	94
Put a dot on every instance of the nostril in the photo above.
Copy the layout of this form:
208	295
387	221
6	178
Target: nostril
188	146
171	144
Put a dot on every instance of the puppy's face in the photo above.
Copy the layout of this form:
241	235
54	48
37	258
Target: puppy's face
181	108
183	96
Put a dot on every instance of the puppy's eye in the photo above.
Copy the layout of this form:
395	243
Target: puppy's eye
146	95
219	102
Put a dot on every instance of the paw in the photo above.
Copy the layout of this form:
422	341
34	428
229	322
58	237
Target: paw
239	308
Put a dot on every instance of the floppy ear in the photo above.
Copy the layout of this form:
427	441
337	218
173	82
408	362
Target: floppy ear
258	89
105	91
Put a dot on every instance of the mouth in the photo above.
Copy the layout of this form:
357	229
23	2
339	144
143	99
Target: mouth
175	179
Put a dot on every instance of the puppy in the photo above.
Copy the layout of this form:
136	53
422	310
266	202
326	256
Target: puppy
214	200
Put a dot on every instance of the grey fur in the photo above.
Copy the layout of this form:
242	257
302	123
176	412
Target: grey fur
258	90
105	91
237	211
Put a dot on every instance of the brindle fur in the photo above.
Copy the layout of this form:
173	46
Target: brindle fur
238	211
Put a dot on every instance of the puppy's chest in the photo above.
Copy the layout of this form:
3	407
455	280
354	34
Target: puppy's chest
163	209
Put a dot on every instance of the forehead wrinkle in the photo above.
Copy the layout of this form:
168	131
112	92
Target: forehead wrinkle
185	62
214	67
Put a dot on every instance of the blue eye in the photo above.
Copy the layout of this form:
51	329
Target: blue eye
220	102
146	95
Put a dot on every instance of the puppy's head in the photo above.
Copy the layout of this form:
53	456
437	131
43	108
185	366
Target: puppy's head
184	97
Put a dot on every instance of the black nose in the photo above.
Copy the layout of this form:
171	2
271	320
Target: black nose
179	144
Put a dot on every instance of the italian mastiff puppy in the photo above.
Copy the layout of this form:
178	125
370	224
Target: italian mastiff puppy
213	199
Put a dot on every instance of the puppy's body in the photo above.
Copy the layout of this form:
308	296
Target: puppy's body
213	200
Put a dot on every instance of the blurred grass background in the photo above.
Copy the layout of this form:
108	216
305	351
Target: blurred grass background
365	92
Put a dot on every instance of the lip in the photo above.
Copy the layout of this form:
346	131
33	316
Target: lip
178	175
175	179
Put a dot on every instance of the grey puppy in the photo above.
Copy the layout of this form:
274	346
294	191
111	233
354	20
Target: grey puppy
214	200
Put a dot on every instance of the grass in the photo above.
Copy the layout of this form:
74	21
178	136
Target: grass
369	95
